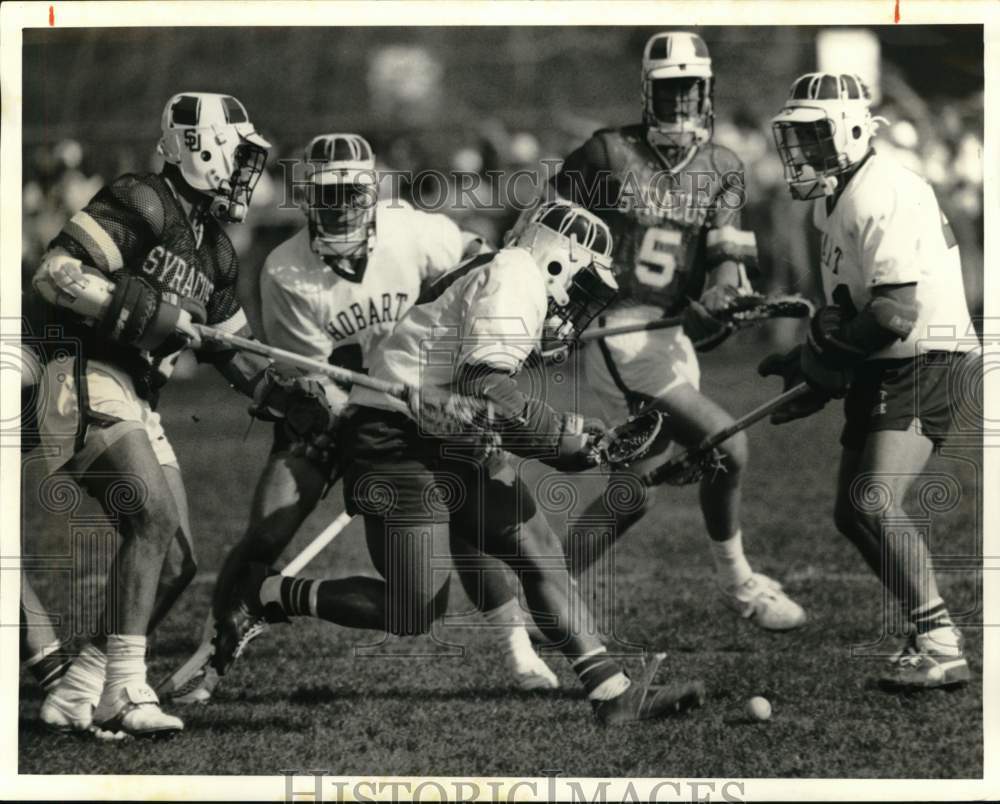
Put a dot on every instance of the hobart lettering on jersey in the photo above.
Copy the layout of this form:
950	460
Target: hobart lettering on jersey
173	273
386	308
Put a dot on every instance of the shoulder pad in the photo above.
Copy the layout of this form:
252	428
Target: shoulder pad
723	159
137	194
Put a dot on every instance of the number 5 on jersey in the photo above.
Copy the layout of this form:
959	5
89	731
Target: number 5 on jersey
657	257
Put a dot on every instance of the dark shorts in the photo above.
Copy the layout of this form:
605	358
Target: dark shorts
941	391
394	472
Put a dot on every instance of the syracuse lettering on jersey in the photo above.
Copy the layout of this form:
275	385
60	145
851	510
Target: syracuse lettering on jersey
173	273
359	316
662	199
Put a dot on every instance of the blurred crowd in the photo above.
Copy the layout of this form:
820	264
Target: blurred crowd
942	143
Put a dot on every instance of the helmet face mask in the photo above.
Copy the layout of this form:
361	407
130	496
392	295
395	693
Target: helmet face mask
341	204
677	87
232	200
587	297
679	110
211	141
824	130
572	249
809	154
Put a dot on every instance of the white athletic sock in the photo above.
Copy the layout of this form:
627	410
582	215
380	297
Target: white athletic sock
945	640
508	626
84	679
612	688
270	590
731	565
600	675
126	662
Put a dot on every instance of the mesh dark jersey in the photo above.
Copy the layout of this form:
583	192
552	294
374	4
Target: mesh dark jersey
137	225
669	228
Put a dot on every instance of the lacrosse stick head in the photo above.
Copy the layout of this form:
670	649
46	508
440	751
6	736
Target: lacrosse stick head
752	309
630	441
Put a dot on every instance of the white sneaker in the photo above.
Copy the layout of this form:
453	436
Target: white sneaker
529	670
762	601
67	711
135	710
928	663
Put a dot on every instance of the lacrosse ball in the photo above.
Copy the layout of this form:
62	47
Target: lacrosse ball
759	708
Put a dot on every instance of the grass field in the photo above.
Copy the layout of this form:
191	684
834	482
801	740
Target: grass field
301	699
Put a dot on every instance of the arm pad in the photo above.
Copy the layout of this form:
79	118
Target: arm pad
839	342
514	413
138	316
883	321
528	426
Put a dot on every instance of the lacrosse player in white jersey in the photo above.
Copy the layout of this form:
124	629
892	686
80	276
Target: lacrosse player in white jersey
333	292
458	352
893	284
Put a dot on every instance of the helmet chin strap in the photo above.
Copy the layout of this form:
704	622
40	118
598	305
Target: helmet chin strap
653	138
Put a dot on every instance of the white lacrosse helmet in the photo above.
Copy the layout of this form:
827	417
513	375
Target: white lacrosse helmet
824	129
210	138
677	87
343	192
572	249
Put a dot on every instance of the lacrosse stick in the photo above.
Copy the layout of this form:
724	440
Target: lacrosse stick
317	545
284	357
439	413
690	465
175	684
630	441
745	311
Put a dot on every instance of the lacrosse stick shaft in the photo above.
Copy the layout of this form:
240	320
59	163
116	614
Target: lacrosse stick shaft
625	329
723	435
317	545
752	417
287	358
770	307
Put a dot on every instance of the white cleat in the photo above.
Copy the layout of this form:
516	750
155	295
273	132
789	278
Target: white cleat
762	601
135	710
529	670
65	711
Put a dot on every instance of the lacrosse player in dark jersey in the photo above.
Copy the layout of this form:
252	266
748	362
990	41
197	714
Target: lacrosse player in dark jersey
672	200
131	275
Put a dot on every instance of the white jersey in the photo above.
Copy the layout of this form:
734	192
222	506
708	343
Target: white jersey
309	309
489	312
887	229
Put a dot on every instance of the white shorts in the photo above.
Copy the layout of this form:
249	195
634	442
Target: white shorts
626	371
72	443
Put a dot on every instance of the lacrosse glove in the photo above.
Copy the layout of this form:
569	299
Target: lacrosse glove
788	366
576	449
704	329
301	403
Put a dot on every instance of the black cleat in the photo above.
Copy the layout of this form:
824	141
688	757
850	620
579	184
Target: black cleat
246	619
645	701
